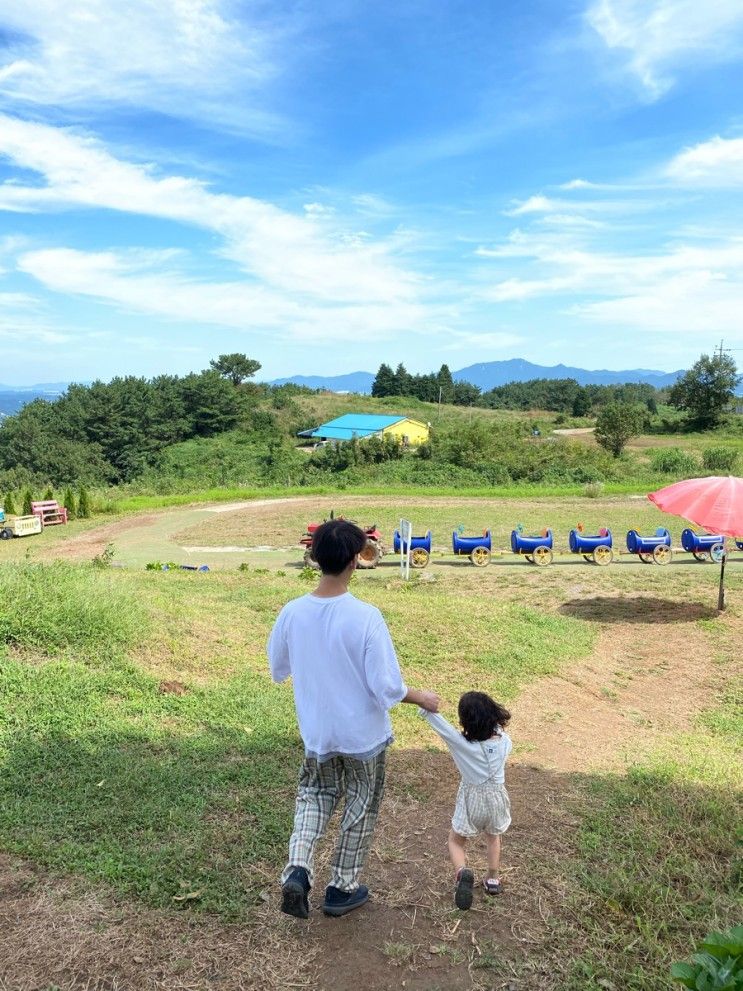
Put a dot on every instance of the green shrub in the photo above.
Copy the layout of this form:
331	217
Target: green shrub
720	460
593	490
70	504
28	498
9	504
718	966
83	504
53	607
674	461
48	494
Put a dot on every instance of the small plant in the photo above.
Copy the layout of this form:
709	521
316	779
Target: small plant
83	504
717	966
161	566
593	490
104	559
244	566
720	460
307	574
280	574
9	504
70	504
261	571
28	498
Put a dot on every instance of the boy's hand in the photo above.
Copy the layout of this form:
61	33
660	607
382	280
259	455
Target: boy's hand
429	701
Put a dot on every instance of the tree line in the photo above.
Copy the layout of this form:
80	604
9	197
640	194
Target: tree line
553	395
111	432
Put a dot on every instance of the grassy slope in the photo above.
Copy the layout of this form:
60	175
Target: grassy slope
161	794
165	795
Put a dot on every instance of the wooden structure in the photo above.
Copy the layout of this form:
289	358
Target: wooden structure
49	512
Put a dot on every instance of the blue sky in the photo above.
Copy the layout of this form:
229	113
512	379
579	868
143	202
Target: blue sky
328	186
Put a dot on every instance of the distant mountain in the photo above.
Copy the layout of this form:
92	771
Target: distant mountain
42	388
352	382
490	374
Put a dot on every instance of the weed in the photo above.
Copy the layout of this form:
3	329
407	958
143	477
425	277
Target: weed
104	559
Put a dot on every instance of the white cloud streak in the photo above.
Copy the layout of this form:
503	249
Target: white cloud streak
191	58
295	266
717	162
660	38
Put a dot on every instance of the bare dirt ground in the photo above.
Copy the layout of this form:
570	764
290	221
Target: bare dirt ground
63	933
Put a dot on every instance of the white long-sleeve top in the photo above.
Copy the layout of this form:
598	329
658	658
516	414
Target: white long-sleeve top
345	673
477	762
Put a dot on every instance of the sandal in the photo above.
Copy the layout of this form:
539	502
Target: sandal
463	890
492	886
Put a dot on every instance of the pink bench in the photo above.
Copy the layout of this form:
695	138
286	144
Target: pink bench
49	512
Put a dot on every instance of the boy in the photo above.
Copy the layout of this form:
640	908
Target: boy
346	677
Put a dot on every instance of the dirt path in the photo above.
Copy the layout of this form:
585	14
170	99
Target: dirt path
60	933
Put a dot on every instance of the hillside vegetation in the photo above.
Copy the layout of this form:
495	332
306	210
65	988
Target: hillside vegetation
174	435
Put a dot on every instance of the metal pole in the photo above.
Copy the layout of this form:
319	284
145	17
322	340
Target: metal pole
721	593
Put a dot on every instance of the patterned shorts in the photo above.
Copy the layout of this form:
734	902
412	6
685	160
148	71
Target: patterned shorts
484	808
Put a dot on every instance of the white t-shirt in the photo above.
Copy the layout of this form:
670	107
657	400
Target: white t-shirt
346	677
477	762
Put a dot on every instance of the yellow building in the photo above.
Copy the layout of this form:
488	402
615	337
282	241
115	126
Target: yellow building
361	425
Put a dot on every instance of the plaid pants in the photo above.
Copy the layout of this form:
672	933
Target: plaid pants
321	787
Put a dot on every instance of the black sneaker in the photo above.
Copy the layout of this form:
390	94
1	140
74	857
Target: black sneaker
295	894
463	890
339	902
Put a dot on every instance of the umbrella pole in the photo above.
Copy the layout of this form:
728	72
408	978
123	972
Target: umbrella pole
721	593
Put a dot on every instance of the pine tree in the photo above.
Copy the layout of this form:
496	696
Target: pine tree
402	381
49	494
83	504
9	504
384	384
446	384
70	504
27	500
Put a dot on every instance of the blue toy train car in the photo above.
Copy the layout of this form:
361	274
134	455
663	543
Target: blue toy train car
704	546
420	548
655	548
537	550
598	548
478	548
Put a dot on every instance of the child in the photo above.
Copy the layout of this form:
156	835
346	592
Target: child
346	678
480	752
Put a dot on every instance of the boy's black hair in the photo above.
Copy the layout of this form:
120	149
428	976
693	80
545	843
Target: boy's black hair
481	717
335	544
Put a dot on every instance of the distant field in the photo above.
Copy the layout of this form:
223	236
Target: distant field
282	525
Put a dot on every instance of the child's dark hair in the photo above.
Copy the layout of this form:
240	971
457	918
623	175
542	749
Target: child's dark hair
481	717
335	544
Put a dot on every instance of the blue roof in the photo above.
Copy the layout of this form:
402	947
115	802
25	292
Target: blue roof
355	425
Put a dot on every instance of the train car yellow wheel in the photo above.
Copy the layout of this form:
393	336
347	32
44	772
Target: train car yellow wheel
480	557
662	554
645	558
701	555
418	557
603	555
542	556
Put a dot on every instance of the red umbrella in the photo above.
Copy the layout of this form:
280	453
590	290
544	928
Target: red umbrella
716	503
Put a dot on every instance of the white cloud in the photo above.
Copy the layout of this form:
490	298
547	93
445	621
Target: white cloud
299	255
192	58
134	281
660	37
717	162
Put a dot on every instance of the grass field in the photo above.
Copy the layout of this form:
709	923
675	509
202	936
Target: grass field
144	748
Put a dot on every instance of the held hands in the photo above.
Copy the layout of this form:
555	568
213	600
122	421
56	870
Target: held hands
429	701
